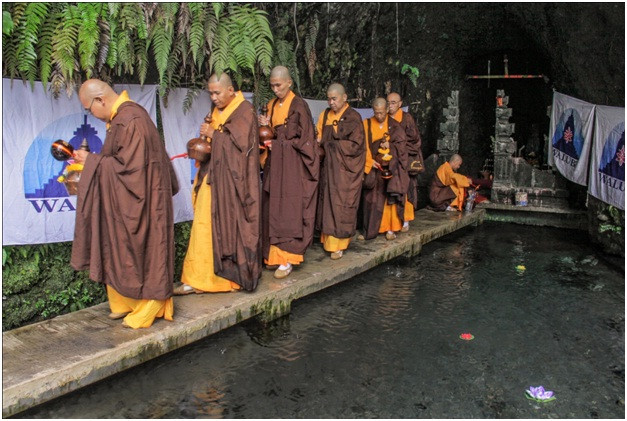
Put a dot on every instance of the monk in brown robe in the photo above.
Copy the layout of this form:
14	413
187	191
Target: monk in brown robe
124	229
224	252
447	188
383	200
290	178
341	137
414	152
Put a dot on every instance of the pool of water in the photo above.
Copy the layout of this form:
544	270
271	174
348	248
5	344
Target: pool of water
386	344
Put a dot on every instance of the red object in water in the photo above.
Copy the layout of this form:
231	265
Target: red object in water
466	336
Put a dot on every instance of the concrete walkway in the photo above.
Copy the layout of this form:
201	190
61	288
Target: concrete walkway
51	358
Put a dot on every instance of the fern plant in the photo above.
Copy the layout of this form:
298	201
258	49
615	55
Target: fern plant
60	44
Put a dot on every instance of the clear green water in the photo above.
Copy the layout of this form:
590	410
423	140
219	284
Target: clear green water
386	344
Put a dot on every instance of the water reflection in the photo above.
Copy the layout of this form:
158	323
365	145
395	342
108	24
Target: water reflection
385	344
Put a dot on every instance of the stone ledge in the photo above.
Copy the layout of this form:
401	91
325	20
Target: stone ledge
45	360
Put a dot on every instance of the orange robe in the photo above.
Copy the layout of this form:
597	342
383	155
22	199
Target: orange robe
455	181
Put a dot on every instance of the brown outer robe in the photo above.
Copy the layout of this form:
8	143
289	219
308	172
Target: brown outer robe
414	151
341	175
290	183
392	190
124	229
440	195
233	172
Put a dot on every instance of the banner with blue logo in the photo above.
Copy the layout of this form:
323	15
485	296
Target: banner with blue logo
607	165
178	129
571	136
36	208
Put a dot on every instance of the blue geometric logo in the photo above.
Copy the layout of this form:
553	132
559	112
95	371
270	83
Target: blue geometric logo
613	157
568	134
41	170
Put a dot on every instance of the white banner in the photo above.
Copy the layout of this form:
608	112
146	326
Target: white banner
35	206
607	169
571	136
178	129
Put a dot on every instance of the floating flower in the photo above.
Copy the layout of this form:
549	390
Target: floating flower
538	394
466	336
521	268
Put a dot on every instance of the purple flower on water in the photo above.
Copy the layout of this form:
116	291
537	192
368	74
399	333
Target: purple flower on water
538	394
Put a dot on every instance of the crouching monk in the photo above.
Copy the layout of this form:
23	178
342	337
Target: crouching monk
124	228
447	188
224	252
290	178
383	200
341	136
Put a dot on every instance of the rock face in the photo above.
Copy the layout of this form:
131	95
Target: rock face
447	41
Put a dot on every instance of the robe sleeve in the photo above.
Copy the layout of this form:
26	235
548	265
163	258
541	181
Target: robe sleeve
414	141
369	157
351	135
238	137
300	133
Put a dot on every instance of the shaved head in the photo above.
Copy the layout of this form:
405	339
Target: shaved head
379	102
221	90
280	72
454	158
280	82
336	97
336	88
455	161
380	108
394	102
224	80
97	98
93	88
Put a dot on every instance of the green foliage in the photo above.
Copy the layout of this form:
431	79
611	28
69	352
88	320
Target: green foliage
38	282
310	46
7	23
61	44
411	72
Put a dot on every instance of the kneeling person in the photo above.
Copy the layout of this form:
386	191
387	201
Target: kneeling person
447	188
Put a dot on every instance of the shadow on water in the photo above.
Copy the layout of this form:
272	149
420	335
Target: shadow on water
543	308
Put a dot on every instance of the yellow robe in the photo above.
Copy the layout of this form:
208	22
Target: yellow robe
329	242
198	271
141	313
456	182
279	112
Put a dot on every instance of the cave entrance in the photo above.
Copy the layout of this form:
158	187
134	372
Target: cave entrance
520	75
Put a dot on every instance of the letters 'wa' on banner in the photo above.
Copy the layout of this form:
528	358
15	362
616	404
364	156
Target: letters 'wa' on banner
571	136
36	208
607	166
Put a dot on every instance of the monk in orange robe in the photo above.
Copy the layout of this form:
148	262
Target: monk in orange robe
224	252
447	188
124	229
290	178
341	137
383	200
415	161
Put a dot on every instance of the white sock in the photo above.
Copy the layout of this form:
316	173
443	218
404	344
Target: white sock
406	224
391	232
281	267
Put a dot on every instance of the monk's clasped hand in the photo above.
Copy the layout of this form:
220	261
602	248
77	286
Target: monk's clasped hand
80	156
263	120
206	130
